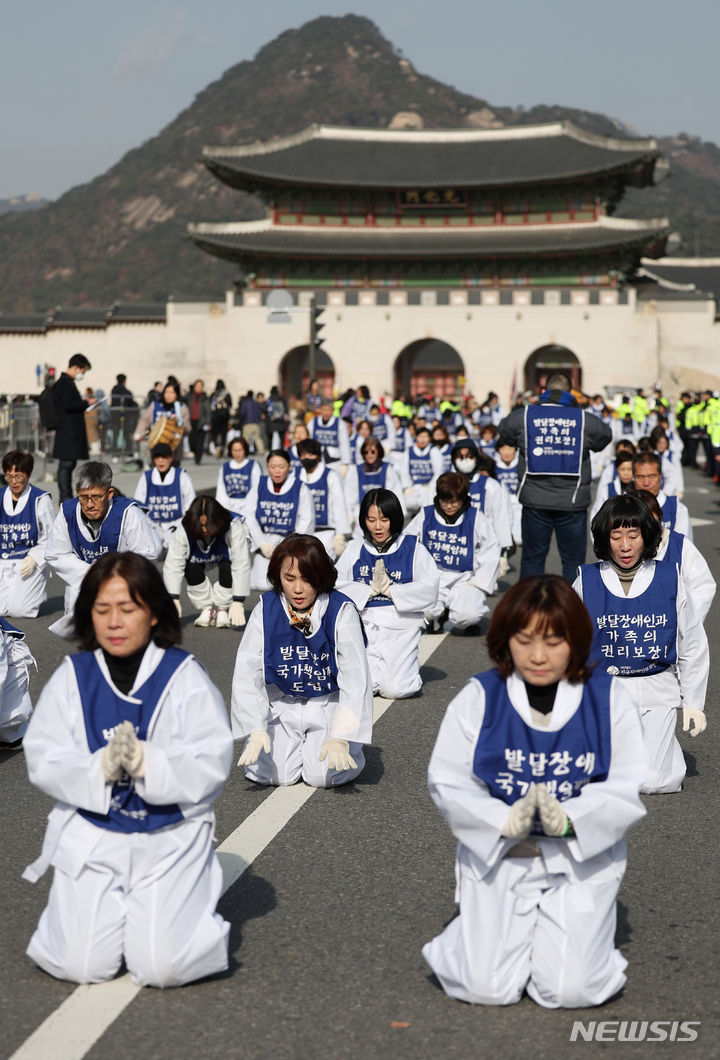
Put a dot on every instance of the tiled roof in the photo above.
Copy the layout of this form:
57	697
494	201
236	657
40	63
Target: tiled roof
70	317
321	241
702	273
333	157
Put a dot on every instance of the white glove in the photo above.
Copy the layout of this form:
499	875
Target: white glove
695	718
237	613
267	549
178	607
342	470
381	582
339	544
27	566
503	568
338	755
553	818
111	761
132	750
522	814
256	742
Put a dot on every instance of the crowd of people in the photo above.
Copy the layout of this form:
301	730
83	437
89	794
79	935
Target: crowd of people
362	526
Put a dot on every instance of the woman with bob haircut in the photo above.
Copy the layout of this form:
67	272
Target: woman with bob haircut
131	738
393	580
466	552
647	631
373	472
210	535
307	709
238	475
26	520
536	769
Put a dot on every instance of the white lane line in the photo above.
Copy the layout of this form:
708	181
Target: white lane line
701	522
72	1029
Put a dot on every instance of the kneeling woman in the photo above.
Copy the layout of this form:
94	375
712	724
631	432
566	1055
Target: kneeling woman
208	536
393	579
307	709
536	769
648	632
131	737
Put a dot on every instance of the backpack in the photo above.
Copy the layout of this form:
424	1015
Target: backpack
47	409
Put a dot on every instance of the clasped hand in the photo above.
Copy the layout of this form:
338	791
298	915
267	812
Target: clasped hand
381	583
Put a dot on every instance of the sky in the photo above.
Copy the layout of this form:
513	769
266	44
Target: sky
84	81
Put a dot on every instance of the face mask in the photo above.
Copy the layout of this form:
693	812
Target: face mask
438	443
465	465
79	377
309	465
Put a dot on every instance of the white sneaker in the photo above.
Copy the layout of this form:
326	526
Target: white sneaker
222	619
206	617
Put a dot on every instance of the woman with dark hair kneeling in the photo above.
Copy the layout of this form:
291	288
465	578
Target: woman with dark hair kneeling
536	769
648	632
131	737
307	709
393	579
208	536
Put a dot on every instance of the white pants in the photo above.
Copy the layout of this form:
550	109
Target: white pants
521	927
149	897
21	597
15	705
296	737
209	594
258	574
392	655
666	762
465	603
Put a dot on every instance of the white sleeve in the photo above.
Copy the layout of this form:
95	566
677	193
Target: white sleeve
405	481
422	591
600	497
343	442
352	491
177	556
390	440
352	716
486	556
139	535
305	519
698	578
140	494
187	490
693	662
393	483
250	703
45	519
60	554
358	592
57	755
253	526
416	525
337	509
498	513
682	521
239	548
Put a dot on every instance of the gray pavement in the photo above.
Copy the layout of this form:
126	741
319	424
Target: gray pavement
329	920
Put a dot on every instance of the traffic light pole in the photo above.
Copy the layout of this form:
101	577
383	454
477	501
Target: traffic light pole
311	343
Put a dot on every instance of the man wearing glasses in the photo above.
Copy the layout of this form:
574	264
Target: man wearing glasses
96	522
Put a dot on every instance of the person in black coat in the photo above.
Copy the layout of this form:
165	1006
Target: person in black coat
71	442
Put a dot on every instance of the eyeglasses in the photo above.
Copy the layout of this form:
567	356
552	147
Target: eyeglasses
10	476
92	498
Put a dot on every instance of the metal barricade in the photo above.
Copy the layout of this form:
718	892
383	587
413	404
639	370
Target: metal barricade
117	433
19	426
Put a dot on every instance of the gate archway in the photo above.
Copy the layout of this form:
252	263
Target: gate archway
294	372
547	359
429	366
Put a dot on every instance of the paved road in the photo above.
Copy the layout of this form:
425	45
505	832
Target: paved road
329	918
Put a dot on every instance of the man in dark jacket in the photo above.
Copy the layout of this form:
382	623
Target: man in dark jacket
71	442
554	440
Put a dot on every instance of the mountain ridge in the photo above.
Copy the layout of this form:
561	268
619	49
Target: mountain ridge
122	235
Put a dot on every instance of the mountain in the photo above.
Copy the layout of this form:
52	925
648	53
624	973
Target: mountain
122	235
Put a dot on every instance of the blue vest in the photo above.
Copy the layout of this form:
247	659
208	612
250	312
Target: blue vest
553	440
300	666
611	490
359	409
450	546
163	502
446	454
10	630
160	410
237	480
420	467
507	476
319	492
216	551
19	531
401	437
398	564
510	755
277	512
674	551
478	489
633	636
371	480
103	710
327	433
379	430
109	537
669	512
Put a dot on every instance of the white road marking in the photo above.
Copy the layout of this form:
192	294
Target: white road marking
72	1029
701	522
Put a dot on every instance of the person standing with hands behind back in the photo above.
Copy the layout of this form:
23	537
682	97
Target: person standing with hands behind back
71	442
